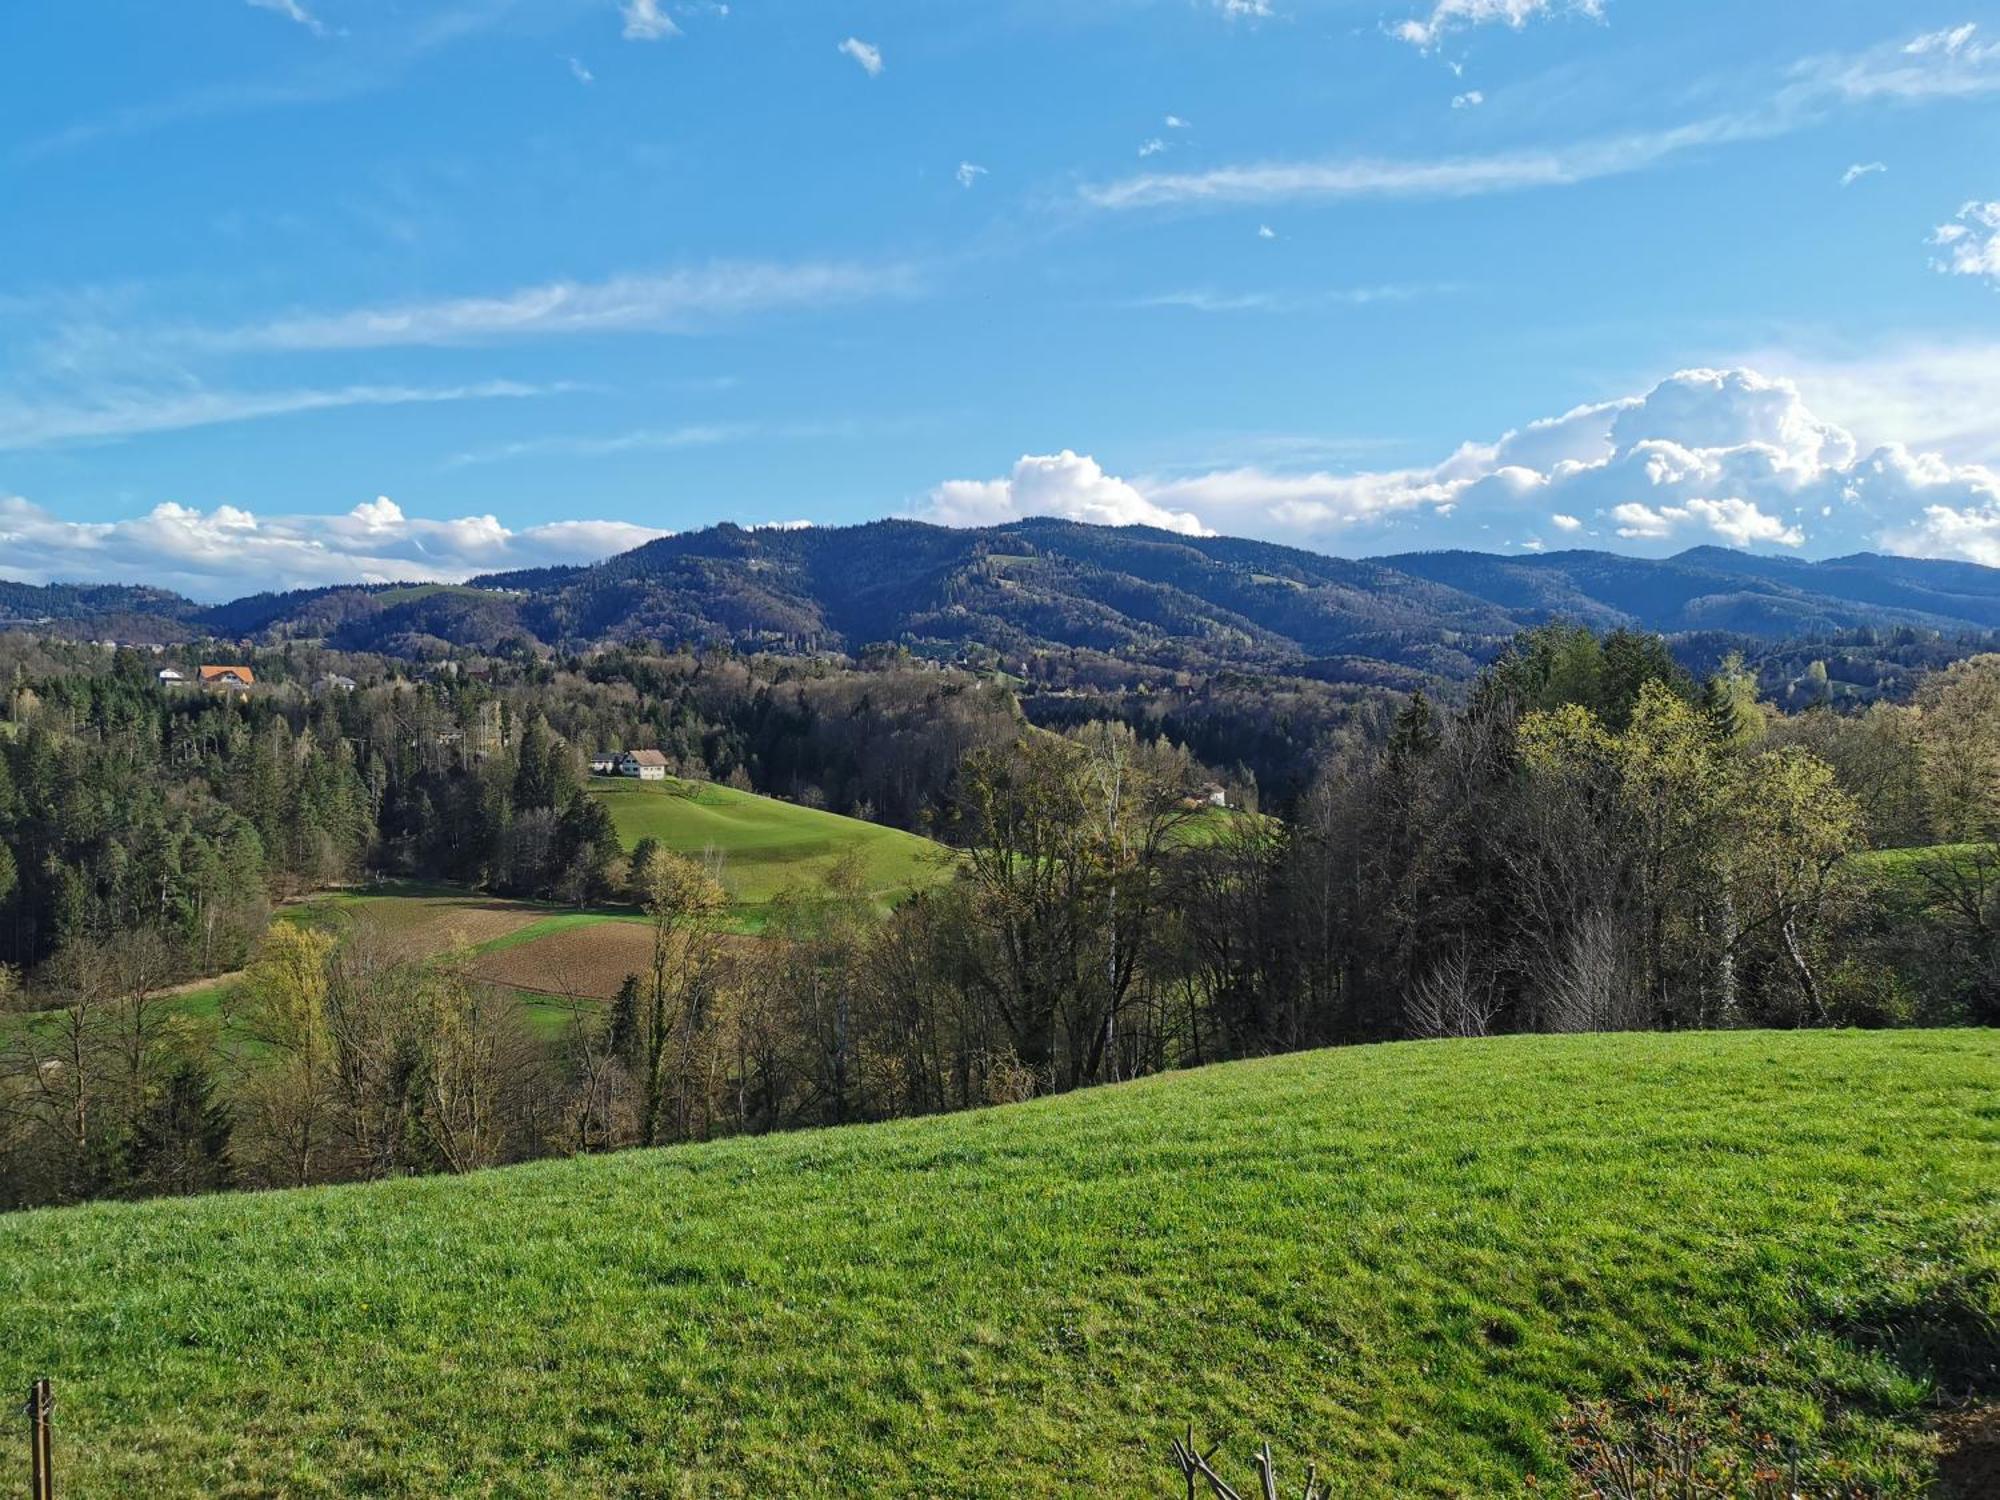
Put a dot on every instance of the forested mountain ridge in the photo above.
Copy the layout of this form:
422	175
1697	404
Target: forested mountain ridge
1139	595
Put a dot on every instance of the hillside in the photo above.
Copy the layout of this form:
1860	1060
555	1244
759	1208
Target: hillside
761	845
1403	1262
1147	600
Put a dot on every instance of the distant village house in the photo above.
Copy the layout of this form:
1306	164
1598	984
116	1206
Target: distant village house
647	765
240	679
171	677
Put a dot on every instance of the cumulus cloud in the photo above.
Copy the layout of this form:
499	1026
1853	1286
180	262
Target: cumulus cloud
869	58
1152	147
1470	99
229	551
646	22
1063	484
1448	16
1971	242
1728	456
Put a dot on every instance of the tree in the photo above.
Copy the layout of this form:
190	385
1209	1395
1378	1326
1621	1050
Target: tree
180	1142
1792	830
286	1012
685	906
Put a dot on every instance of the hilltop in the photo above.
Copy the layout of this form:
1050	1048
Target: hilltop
1137	596
1406	1263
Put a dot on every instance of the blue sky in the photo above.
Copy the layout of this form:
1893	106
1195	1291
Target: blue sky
297	291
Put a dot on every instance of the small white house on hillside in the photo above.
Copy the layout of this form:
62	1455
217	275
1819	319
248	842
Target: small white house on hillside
647	765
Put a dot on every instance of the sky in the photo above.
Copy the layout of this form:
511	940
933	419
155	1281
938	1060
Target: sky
299	292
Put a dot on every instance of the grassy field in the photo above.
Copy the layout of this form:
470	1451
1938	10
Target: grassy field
763	844
1904	869
1404	1263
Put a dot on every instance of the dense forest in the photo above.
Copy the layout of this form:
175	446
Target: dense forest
1590	837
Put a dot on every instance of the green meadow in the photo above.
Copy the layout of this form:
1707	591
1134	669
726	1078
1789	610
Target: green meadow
763	845
1405	1263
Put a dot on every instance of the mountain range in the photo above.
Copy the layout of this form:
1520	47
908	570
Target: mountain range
1133	594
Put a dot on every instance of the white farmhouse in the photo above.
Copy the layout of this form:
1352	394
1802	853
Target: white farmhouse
647	765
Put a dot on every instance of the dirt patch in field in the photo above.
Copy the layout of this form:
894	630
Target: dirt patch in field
405	929
589	962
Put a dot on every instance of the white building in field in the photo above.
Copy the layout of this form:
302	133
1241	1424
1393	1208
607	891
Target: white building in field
647	765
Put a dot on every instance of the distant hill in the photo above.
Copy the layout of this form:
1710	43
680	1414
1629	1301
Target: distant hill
1130	595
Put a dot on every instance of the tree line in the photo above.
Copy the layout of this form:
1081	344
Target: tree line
1591	840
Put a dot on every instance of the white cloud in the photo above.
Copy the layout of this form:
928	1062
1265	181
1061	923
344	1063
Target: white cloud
1470	99
579	72
229	551
1151	147
1266	232
1444	177
1812	90
1941	64
292	10
127	413
1728	456
1198	300
968	173
1971	242
870	58
1455	15
1063	484
1860	170
1737	521
1245	10
667	301
1934	396
645	21
1175	122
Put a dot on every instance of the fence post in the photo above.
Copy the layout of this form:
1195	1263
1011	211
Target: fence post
43	1462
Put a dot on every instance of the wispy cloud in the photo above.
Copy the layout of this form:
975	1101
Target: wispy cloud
653	440
968	173
671	301
1860	170
1447	16
1151	147
1971	242
1945	65
292	10
869	57
579	72
1449	177
1245	10
1202	301
646	22
372	62
644	440
1470	99
127	413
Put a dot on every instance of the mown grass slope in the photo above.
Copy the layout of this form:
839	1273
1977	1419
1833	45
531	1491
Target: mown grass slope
1402	1262
763	844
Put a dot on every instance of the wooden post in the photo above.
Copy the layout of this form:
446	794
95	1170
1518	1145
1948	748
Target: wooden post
43	1454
